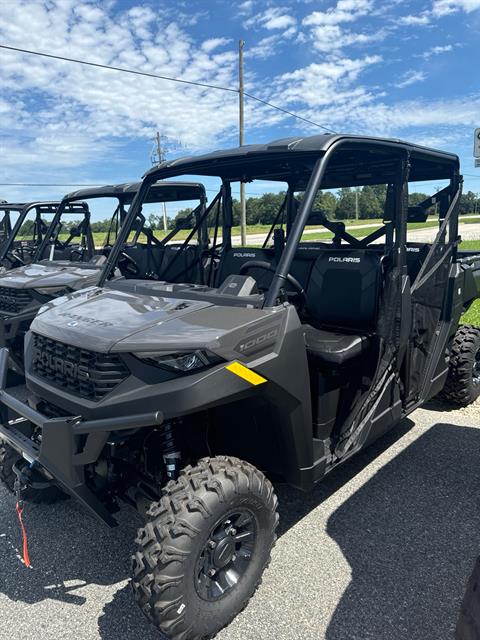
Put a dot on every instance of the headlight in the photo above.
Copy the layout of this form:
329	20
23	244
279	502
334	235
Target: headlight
56	292
180	362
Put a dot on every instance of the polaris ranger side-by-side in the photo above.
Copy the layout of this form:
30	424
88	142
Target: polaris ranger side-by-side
64	264
277	362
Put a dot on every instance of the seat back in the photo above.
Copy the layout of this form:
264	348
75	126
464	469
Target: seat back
234	258
181	267
344	288
303	261
149	259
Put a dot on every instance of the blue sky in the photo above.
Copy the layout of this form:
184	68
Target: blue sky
403	69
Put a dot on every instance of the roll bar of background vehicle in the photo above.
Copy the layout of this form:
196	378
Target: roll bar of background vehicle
56	218
50	207
134	210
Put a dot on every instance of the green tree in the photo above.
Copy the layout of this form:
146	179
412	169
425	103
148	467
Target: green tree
326	202
368	204
469	203
346	204
416	198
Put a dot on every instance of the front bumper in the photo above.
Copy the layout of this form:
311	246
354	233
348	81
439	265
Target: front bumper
67	445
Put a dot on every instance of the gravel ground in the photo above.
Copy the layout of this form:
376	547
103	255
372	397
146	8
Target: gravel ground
380	550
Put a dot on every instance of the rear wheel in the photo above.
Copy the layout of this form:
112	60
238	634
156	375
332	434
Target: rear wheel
205	547
463	382
9	457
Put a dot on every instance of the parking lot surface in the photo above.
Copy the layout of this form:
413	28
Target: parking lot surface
380	550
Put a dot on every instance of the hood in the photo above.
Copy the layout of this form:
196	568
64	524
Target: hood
106	320
52	274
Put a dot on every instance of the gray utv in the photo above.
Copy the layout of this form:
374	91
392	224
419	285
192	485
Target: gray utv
278	362
67	260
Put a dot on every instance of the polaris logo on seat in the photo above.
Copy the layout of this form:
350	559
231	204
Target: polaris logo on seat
244	255
345	259
55	364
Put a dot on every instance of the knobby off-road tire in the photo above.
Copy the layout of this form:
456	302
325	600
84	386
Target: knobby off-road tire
8	457
463	382
187	534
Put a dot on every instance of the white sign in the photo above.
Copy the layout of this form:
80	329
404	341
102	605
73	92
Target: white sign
476	144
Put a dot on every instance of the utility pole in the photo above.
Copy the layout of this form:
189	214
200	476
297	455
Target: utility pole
241	97
159	159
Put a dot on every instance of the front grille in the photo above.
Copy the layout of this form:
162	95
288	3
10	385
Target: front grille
84	373
14	300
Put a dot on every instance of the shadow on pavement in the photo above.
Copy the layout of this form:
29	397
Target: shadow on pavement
68	550
295	504
410	536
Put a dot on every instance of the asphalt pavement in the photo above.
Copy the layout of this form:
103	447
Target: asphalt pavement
380	550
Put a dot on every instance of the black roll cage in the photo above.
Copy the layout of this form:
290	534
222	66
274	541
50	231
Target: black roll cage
395	222
40	208
53	231
200	214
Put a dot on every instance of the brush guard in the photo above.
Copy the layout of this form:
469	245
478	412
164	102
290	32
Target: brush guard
68	444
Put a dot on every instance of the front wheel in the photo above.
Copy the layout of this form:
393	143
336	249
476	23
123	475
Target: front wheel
204	548
463	382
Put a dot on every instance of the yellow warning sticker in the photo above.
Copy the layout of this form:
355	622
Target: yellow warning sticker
244	372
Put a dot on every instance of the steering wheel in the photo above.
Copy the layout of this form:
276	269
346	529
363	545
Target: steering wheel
80	252
14	259
127	264
299	293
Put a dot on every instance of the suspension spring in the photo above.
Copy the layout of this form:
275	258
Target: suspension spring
170	450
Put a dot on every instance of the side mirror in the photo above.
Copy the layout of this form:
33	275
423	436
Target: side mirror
417	214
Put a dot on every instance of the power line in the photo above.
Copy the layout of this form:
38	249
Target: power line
162	77
290	113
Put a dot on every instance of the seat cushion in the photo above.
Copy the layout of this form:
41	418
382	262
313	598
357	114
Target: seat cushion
331	348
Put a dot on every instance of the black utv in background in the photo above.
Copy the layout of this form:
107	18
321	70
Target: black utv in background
20	241
187	398
60	265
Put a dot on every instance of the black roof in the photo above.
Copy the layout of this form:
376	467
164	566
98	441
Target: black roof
159	192
48	206
287	157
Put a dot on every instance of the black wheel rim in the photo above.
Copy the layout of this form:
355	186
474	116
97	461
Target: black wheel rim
476	369
227	554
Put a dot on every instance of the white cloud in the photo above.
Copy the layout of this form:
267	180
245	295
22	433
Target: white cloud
265	48
344	11
325	28
272	19
213	43
327	83
445	7
411	77
332	37
246	7
436	51
413	20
